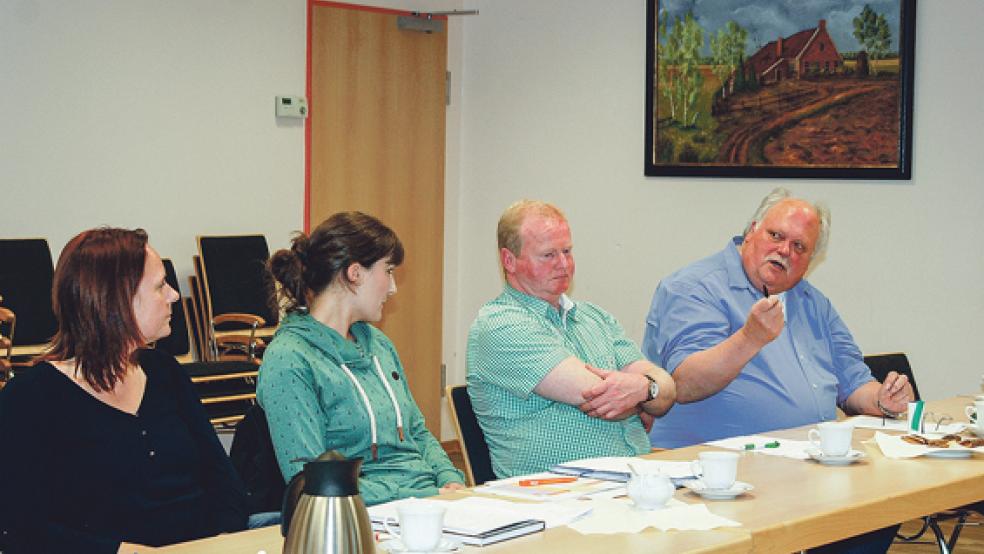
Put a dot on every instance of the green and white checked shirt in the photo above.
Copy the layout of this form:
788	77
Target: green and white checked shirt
513	344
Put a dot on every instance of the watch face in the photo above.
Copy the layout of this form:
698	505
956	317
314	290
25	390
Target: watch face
653	390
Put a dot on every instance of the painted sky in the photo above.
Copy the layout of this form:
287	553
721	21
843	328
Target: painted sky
767	20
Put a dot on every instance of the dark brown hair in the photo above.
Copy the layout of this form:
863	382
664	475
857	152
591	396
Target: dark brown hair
97	275
312	263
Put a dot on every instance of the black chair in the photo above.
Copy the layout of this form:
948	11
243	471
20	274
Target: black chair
881	365
474	449
253	456
236	290
227	388
26	274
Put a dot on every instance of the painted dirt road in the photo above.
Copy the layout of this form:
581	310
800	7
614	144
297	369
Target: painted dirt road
828	123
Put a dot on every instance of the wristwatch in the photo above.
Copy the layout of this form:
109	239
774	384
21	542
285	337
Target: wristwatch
653	390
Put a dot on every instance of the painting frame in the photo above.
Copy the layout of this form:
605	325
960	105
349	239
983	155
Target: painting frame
901	169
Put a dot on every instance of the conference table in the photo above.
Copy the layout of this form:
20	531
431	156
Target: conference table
795	504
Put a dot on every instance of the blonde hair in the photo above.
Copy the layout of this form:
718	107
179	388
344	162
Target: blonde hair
511	222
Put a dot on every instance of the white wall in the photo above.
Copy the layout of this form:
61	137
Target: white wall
151	114
160	115
554	109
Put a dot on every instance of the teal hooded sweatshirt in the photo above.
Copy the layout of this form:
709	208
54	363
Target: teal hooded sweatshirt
312	405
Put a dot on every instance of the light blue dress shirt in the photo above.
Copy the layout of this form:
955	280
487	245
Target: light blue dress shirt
797	379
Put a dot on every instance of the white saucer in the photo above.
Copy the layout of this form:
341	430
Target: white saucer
950	453
846	459
737	489
394	545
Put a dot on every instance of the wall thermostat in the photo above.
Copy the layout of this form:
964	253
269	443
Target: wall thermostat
292	106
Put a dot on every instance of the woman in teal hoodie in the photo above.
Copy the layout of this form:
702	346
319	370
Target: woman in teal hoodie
330	380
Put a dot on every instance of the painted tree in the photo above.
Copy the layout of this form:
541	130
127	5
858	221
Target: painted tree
872	32
728	50
667	47
689	80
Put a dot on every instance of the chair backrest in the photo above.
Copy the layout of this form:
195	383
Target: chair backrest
199	324
26	274
234	276
478	465
178	343
253	457
881	364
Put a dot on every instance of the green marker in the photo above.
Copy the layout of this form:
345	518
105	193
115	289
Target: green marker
773	444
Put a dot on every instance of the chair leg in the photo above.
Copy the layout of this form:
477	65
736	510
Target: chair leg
958	526
938	533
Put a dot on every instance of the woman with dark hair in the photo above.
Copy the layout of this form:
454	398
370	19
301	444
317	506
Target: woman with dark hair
330	380
105	443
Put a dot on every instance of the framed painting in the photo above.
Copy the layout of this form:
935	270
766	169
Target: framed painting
780	88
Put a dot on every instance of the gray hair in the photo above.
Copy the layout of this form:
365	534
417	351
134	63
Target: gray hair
779	194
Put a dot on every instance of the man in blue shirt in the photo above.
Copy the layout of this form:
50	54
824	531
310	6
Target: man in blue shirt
751	345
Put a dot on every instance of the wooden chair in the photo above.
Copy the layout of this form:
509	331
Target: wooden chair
26	274
471	439
227	388
8	323
235	293
881	365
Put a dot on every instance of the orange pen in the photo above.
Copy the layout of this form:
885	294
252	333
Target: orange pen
546	481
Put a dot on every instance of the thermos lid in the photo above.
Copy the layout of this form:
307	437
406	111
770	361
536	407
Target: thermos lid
332	474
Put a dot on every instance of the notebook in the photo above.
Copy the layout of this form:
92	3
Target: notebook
473	520
616	468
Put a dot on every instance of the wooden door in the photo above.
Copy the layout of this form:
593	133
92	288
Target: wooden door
376	139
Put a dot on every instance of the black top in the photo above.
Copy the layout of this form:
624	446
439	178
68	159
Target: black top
77	475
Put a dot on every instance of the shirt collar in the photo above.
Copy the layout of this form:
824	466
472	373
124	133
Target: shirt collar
568	308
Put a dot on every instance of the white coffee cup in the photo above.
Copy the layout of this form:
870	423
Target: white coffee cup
973	412
421	523
833	438
650	491
717	470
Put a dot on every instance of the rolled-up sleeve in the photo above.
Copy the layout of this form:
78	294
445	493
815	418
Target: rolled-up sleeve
682	320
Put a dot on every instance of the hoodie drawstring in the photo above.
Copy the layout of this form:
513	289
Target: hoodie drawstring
374	448
372	416
389	390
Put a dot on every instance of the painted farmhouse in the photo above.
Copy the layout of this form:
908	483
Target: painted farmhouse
808	52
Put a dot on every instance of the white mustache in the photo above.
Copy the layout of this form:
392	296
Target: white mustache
780	259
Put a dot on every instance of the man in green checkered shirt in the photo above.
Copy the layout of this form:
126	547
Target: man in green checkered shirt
550	379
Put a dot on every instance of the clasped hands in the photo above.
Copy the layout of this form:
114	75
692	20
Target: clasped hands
617	396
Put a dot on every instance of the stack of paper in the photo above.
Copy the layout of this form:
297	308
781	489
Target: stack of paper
482	521
617	468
